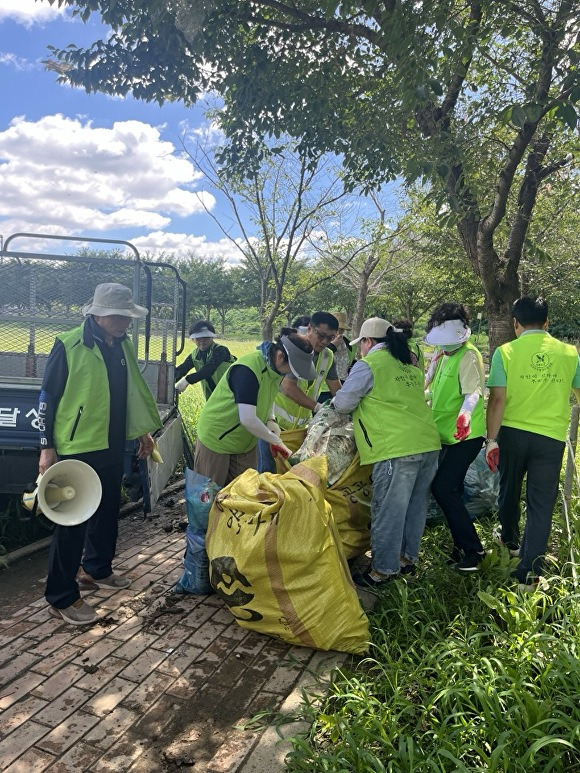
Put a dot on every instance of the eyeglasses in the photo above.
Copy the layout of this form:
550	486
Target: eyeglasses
324	336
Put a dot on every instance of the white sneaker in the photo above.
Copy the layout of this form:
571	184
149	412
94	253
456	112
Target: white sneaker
79	613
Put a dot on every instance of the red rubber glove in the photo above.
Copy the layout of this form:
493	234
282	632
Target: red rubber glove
492	455
462	427
281	449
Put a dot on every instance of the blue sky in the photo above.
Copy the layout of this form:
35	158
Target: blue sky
92	165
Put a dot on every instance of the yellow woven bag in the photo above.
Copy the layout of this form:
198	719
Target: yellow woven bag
277	562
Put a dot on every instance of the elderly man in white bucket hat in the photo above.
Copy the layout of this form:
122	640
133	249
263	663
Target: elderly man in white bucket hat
93	400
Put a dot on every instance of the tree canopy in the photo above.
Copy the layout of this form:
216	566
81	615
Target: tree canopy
475	98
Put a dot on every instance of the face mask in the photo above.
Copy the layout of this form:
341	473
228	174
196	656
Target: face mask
451	347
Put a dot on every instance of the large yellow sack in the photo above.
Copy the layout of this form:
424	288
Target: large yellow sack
276	560
293	439
350	500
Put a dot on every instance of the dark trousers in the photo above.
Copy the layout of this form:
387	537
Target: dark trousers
539	457
91	543
447	489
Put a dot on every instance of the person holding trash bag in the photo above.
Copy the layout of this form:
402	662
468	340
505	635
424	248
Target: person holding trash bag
93	400
209	359
395	432
239	411
456	377
530	380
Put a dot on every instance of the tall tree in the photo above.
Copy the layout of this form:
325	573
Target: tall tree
469	95
277	213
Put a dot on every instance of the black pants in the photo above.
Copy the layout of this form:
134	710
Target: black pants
91	543
539	457
447	489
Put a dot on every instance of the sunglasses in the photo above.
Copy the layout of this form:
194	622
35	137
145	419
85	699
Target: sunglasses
324	336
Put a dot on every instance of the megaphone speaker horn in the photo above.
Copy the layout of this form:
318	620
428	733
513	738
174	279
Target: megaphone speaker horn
69	492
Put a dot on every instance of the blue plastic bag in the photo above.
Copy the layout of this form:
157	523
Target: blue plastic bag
199	495
195	578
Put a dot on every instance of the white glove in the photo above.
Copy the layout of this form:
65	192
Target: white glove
182	384
273	427
317	407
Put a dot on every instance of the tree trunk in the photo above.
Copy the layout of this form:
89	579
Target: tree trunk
359	312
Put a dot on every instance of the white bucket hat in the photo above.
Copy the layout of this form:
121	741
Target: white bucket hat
111	299
450	332
375	327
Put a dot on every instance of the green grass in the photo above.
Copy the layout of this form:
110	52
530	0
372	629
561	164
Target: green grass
465	673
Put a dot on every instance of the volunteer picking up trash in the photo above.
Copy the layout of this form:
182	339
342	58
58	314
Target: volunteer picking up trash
239	411
395	432
456	377
209	359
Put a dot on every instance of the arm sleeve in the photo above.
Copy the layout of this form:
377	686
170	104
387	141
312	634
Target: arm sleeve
244	384
252	423
220	354
358	383
183	369
53	384
471	375
497	375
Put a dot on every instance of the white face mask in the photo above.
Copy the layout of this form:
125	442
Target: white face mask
451	347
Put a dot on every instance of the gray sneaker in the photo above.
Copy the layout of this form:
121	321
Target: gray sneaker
79	613
113	581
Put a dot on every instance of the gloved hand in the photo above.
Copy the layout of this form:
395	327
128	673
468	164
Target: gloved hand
492	455
182	384
462	426
273	427
281	449
317	407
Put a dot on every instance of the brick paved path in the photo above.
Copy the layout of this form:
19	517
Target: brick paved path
159	685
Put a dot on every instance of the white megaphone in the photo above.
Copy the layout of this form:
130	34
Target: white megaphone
68	493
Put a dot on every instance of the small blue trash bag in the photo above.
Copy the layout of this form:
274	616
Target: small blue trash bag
199	495
195	578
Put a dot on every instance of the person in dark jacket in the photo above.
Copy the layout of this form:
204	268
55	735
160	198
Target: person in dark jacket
93	400
210	360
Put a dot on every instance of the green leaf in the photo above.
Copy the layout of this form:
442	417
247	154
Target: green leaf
518	116
567	114
436	87
533	112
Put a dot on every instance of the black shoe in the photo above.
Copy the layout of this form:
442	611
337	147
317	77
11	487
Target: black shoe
455	556
408	569
470	562
366	582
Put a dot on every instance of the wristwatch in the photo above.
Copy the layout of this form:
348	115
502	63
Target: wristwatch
490	440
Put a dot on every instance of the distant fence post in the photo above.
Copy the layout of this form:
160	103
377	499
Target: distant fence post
571	454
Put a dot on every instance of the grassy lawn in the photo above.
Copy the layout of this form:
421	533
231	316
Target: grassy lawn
465	673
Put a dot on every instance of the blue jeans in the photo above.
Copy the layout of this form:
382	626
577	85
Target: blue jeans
266	461
399	508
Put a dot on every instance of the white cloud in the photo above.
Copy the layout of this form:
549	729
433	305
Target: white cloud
29	12
181	245
63	175
16	62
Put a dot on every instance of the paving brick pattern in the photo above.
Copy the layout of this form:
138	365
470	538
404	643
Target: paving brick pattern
162	682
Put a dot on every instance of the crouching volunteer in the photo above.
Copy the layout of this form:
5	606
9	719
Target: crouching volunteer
457	379
297	398
395	432
209	359
235	416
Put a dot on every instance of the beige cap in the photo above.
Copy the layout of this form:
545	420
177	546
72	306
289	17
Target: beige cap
375	327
